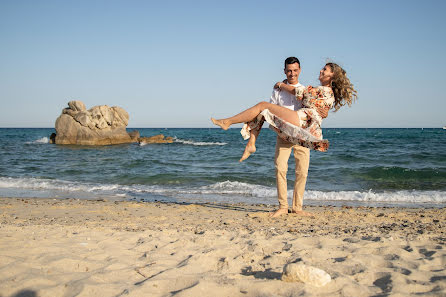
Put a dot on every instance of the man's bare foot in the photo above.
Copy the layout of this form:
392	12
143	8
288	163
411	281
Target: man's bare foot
302	213
249	149
222	123
279	212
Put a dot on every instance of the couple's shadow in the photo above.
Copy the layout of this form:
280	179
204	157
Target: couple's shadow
24	293
244	208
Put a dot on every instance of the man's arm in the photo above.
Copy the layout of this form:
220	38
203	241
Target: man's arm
285	87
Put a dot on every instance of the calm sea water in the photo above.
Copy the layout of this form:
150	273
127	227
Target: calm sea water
405	167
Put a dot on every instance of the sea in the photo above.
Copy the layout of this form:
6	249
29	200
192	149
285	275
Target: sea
363	167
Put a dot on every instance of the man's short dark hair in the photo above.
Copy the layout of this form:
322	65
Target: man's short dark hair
292	60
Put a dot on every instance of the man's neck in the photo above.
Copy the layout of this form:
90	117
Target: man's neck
293	84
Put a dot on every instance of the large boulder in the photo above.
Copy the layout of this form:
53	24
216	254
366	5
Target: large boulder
100	125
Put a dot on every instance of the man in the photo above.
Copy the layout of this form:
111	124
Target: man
283	148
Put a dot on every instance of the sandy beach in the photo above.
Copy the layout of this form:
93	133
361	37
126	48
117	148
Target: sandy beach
71	247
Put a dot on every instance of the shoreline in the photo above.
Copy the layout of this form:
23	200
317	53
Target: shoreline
222	199
56	247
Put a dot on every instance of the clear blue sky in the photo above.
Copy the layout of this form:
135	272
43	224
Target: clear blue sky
177	63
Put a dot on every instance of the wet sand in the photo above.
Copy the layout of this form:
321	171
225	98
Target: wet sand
70	247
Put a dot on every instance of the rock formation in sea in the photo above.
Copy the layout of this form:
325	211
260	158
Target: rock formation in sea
100	125
155	139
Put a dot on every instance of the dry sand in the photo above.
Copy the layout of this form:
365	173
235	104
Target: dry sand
71	247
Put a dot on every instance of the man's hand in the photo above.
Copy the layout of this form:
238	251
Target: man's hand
323	111
278	84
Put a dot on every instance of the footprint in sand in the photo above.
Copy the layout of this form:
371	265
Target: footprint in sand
353	269
408	248
384	283
391	257
340	259
426	253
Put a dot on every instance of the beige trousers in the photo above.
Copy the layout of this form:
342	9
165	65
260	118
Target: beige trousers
302	158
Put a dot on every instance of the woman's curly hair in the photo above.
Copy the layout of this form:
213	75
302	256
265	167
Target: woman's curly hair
343	89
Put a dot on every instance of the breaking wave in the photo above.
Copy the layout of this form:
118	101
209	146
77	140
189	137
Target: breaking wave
39	141
227	192
198	143
191	142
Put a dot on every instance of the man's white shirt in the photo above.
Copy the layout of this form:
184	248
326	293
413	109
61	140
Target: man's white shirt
285	99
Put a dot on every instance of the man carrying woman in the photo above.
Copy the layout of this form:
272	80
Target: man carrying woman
295	112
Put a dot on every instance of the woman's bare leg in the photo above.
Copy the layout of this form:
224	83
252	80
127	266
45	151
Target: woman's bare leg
250	147
256	126
249	114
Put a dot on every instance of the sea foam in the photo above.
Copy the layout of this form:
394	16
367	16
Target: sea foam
198	143
191	142
226	191
39	141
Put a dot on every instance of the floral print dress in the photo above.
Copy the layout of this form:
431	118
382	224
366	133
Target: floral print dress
309	133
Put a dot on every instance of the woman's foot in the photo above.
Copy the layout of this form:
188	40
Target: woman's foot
222	123
249	149
279	212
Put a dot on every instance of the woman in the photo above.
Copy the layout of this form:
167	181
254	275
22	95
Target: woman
301	127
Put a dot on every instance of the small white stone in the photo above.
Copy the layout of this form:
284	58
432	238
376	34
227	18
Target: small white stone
295	272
